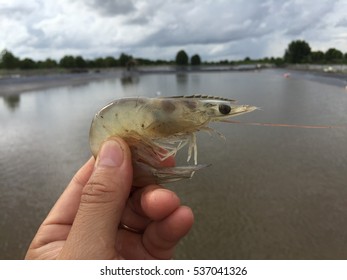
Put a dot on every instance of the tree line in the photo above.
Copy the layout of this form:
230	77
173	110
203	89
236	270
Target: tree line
9	61
298	51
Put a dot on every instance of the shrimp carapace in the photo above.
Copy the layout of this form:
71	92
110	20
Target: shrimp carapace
157	128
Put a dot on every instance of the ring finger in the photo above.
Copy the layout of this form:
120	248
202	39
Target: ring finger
151	203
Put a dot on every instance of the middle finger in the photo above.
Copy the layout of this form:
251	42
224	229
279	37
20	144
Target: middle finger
151	203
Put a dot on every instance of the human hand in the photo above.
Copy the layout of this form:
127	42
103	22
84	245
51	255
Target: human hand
87	221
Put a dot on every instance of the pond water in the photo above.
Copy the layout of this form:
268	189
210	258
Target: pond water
270	192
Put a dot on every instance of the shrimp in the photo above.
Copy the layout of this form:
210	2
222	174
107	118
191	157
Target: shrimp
157	128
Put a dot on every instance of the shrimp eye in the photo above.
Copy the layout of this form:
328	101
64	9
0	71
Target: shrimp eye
224	109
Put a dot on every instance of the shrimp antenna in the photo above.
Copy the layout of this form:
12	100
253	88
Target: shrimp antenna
284	125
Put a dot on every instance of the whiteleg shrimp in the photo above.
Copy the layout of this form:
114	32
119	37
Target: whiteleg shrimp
156	128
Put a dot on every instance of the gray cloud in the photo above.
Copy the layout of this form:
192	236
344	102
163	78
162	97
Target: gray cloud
17	11
306	17
342	22
211	24
112	7
157	29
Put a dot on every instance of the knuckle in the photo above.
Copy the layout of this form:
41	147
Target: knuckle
97	191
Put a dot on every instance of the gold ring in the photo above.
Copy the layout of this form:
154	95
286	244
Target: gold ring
134	230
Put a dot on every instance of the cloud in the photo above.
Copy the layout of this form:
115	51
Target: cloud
203	23
111	7
307	16
342	22
17	8
157	29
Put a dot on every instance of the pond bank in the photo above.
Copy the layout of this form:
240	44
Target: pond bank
17	82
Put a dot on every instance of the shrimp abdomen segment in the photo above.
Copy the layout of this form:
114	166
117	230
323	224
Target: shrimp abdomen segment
119	118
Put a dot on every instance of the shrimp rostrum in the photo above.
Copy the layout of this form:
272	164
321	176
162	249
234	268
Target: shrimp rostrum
157	128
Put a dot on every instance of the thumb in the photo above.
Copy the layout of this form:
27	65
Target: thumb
103	199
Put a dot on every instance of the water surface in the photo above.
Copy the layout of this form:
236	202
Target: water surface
270	193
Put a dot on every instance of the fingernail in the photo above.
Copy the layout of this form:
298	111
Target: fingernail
111	154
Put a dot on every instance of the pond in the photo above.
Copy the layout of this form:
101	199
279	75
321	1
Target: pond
270	192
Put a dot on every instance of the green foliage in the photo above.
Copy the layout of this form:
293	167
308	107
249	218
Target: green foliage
278	61
317	57
181	58
111	62
145	61
49	63
333	55
297	52
99	62
224	62
27	63
8	60
80	62
124	59
68	61
195	60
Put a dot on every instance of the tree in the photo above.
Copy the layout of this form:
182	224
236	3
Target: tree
195	60
111	62
27	63
278	61
68	61
98	62
297	52
124	59
223	62
80	62
49	63
8	60
317	56
181	58
333	54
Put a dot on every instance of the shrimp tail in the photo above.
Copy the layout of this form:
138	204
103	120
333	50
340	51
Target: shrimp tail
145	174
173	174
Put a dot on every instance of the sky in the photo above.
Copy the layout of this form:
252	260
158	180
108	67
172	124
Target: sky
158	29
